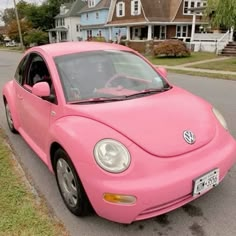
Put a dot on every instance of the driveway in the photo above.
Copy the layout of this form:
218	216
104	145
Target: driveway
211	215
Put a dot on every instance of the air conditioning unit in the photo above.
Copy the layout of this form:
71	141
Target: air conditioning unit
135	13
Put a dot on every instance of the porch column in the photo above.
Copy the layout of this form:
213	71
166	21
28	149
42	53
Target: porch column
110	33
149	36
231	37
50	36
193	26
57	39
128	33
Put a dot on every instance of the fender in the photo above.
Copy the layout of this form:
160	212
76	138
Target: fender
9	94
78	136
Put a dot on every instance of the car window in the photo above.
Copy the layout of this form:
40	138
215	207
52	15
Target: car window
38	72
21	69
105	74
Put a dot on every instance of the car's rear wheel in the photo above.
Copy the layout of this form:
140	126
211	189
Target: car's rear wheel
9	118
69	184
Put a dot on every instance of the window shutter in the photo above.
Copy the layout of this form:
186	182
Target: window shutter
139	7
132	8
117	9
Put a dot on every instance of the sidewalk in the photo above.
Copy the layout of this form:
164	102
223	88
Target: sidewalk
187	67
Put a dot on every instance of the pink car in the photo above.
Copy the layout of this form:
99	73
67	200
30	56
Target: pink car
114	131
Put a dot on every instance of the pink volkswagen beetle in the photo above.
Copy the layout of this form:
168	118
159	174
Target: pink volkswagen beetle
114	131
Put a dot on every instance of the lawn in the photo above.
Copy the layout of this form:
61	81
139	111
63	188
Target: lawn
20	214
195	56
224	65
203	74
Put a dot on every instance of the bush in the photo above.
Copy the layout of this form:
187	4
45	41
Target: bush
98	39
171	48
36	37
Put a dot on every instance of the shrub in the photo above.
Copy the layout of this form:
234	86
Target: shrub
98	39
171	48
36	37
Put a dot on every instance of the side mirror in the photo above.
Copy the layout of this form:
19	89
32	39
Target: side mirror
41	89
162	71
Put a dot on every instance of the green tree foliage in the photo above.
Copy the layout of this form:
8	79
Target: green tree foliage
222	13
9	13
36	36
1	38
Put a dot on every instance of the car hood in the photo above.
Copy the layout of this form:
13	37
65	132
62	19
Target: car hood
156	123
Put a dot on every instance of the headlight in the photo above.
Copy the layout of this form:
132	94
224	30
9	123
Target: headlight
220	118
112	156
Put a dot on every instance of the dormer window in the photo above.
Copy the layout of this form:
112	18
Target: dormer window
135	7
120	9
91	3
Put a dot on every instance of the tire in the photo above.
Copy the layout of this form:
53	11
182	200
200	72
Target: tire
69	184
9	119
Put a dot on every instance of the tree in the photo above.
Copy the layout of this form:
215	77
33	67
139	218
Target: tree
222	13
36	36
12	29
1	38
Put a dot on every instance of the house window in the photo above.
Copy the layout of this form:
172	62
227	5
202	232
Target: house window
162	32
181	31
192	4
91	3
135	7
77	28
87	16
120	9
97	15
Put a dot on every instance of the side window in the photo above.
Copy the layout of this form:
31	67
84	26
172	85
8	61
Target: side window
21	70
38	71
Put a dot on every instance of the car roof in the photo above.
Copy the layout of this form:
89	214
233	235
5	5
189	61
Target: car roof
59	49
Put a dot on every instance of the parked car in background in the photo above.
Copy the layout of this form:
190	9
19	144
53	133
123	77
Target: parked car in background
11	44
118	136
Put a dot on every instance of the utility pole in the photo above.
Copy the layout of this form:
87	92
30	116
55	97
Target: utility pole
18	24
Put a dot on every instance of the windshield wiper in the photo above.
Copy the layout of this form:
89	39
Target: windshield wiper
148	92
99	100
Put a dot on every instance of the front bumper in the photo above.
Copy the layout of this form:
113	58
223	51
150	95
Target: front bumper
159	184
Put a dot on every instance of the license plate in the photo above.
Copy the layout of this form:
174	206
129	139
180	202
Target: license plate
206	182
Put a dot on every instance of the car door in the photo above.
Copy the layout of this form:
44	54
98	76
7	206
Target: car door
34	112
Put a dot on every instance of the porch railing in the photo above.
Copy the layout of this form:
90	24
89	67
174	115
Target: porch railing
222	42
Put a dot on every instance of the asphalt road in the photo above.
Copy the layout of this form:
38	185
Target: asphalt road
213	214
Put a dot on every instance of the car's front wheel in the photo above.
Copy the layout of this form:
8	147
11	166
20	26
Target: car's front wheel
69	184
9	118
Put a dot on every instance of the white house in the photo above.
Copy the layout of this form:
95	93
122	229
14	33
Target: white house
67	23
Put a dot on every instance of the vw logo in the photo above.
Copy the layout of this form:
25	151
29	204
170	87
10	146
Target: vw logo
189	137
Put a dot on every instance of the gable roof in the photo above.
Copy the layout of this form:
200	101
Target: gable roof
103	4
73	9
161	10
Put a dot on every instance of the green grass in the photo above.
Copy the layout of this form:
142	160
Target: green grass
19	213
204	74
224	65
195	56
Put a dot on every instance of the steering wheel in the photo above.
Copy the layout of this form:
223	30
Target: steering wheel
114	77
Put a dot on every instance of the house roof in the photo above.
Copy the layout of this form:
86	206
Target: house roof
72	8
103	4
161	10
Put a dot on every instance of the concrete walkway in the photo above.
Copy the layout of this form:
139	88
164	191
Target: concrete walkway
187	67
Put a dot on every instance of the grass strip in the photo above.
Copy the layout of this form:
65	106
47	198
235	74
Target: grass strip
204	74
20	214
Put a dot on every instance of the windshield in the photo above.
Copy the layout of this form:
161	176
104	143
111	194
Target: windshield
106	75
